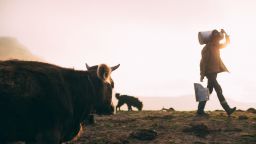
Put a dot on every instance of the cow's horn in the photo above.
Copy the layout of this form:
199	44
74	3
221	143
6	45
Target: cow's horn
115	67
87	66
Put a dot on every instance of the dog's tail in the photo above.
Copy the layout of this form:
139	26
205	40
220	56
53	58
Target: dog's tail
117	95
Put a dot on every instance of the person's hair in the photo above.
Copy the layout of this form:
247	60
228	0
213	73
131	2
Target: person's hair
214	33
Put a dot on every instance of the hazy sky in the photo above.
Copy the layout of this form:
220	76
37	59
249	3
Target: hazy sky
155	41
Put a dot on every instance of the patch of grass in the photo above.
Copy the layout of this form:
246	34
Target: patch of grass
232	130
247	138
200	130
243	117
174	127
198	142
115	129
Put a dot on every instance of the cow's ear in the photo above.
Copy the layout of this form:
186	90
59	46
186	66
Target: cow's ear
104	72
87	66
115	67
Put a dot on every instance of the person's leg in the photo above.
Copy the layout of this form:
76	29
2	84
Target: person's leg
201	105
200	109
218	89
210	85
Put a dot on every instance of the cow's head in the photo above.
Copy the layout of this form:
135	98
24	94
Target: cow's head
102	86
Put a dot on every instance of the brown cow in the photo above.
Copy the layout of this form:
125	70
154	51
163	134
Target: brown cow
44	103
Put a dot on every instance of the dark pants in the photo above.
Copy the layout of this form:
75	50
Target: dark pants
213	84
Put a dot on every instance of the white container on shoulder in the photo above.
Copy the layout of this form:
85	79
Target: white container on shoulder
204	37
202	93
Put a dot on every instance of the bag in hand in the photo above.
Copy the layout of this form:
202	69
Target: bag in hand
202	93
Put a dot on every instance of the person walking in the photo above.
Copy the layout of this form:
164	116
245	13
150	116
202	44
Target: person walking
210	65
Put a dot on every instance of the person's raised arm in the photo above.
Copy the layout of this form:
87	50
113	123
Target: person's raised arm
227	39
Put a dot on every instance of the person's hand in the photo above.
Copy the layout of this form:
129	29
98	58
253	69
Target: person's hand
223	31
201	79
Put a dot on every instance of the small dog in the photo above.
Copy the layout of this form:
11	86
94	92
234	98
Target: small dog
129	100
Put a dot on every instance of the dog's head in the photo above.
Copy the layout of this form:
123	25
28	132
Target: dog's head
117	95
140	105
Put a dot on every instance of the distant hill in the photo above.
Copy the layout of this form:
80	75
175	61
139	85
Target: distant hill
185	103
11	48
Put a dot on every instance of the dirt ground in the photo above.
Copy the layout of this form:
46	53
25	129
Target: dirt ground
172	127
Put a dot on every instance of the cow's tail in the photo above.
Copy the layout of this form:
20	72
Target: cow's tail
117	95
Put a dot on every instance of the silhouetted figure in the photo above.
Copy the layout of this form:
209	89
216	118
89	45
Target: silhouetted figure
129	100
210	65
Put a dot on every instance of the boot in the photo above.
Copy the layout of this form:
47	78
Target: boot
226	107
200	110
